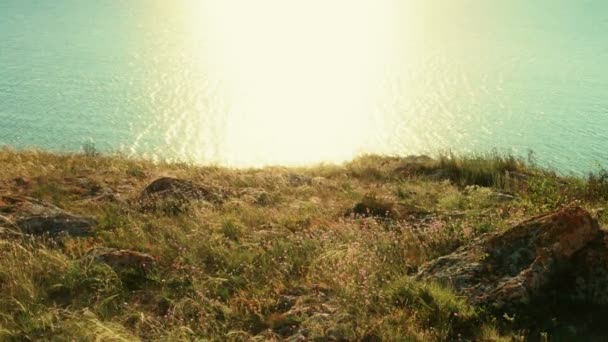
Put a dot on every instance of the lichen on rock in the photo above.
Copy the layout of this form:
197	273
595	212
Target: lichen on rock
37	217
512	267
179	192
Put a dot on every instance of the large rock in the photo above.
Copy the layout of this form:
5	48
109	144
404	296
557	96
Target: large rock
132	267
36	217
513	267
589	273
179	190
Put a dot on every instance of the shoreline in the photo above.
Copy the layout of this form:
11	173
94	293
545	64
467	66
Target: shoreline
529	159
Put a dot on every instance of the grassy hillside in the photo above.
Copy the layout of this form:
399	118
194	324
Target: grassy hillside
319	253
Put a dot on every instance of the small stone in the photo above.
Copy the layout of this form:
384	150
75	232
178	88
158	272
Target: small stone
319	181
501	197
599	212
517	175
372	206
285	303
122	258
416	166
441	175
22	181
167	186
328	308
297	180
299	337
57	224
257	196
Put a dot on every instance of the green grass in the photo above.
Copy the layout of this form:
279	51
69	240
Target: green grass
281	256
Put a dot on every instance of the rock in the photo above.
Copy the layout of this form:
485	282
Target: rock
439	175
91	186
315	200
421	160
372	206
284	325
22	181
82	186
501	197
298	337
106	196
120	259
326	308
285	302
458	214
35	217
426	166
178	190
598	212
590	273
257	196
296	180
132	267
414	168
406	210
167	186
319	181
8	233
520	176
341	331
512	267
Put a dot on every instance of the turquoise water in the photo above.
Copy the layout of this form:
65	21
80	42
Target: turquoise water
175	79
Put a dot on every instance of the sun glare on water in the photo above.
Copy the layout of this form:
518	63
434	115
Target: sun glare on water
299	76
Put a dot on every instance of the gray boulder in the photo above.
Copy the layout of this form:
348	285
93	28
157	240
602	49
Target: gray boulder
36	217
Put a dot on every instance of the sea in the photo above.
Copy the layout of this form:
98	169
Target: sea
269	82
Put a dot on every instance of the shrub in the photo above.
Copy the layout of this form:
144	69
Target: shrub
597	185
483	170
89	149
435	307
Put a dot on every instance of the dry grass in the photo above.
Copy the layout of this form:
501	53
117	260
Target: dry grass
278	258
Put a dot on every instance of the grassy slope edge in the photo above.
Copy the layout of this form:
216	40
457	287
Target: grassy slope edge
277	259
